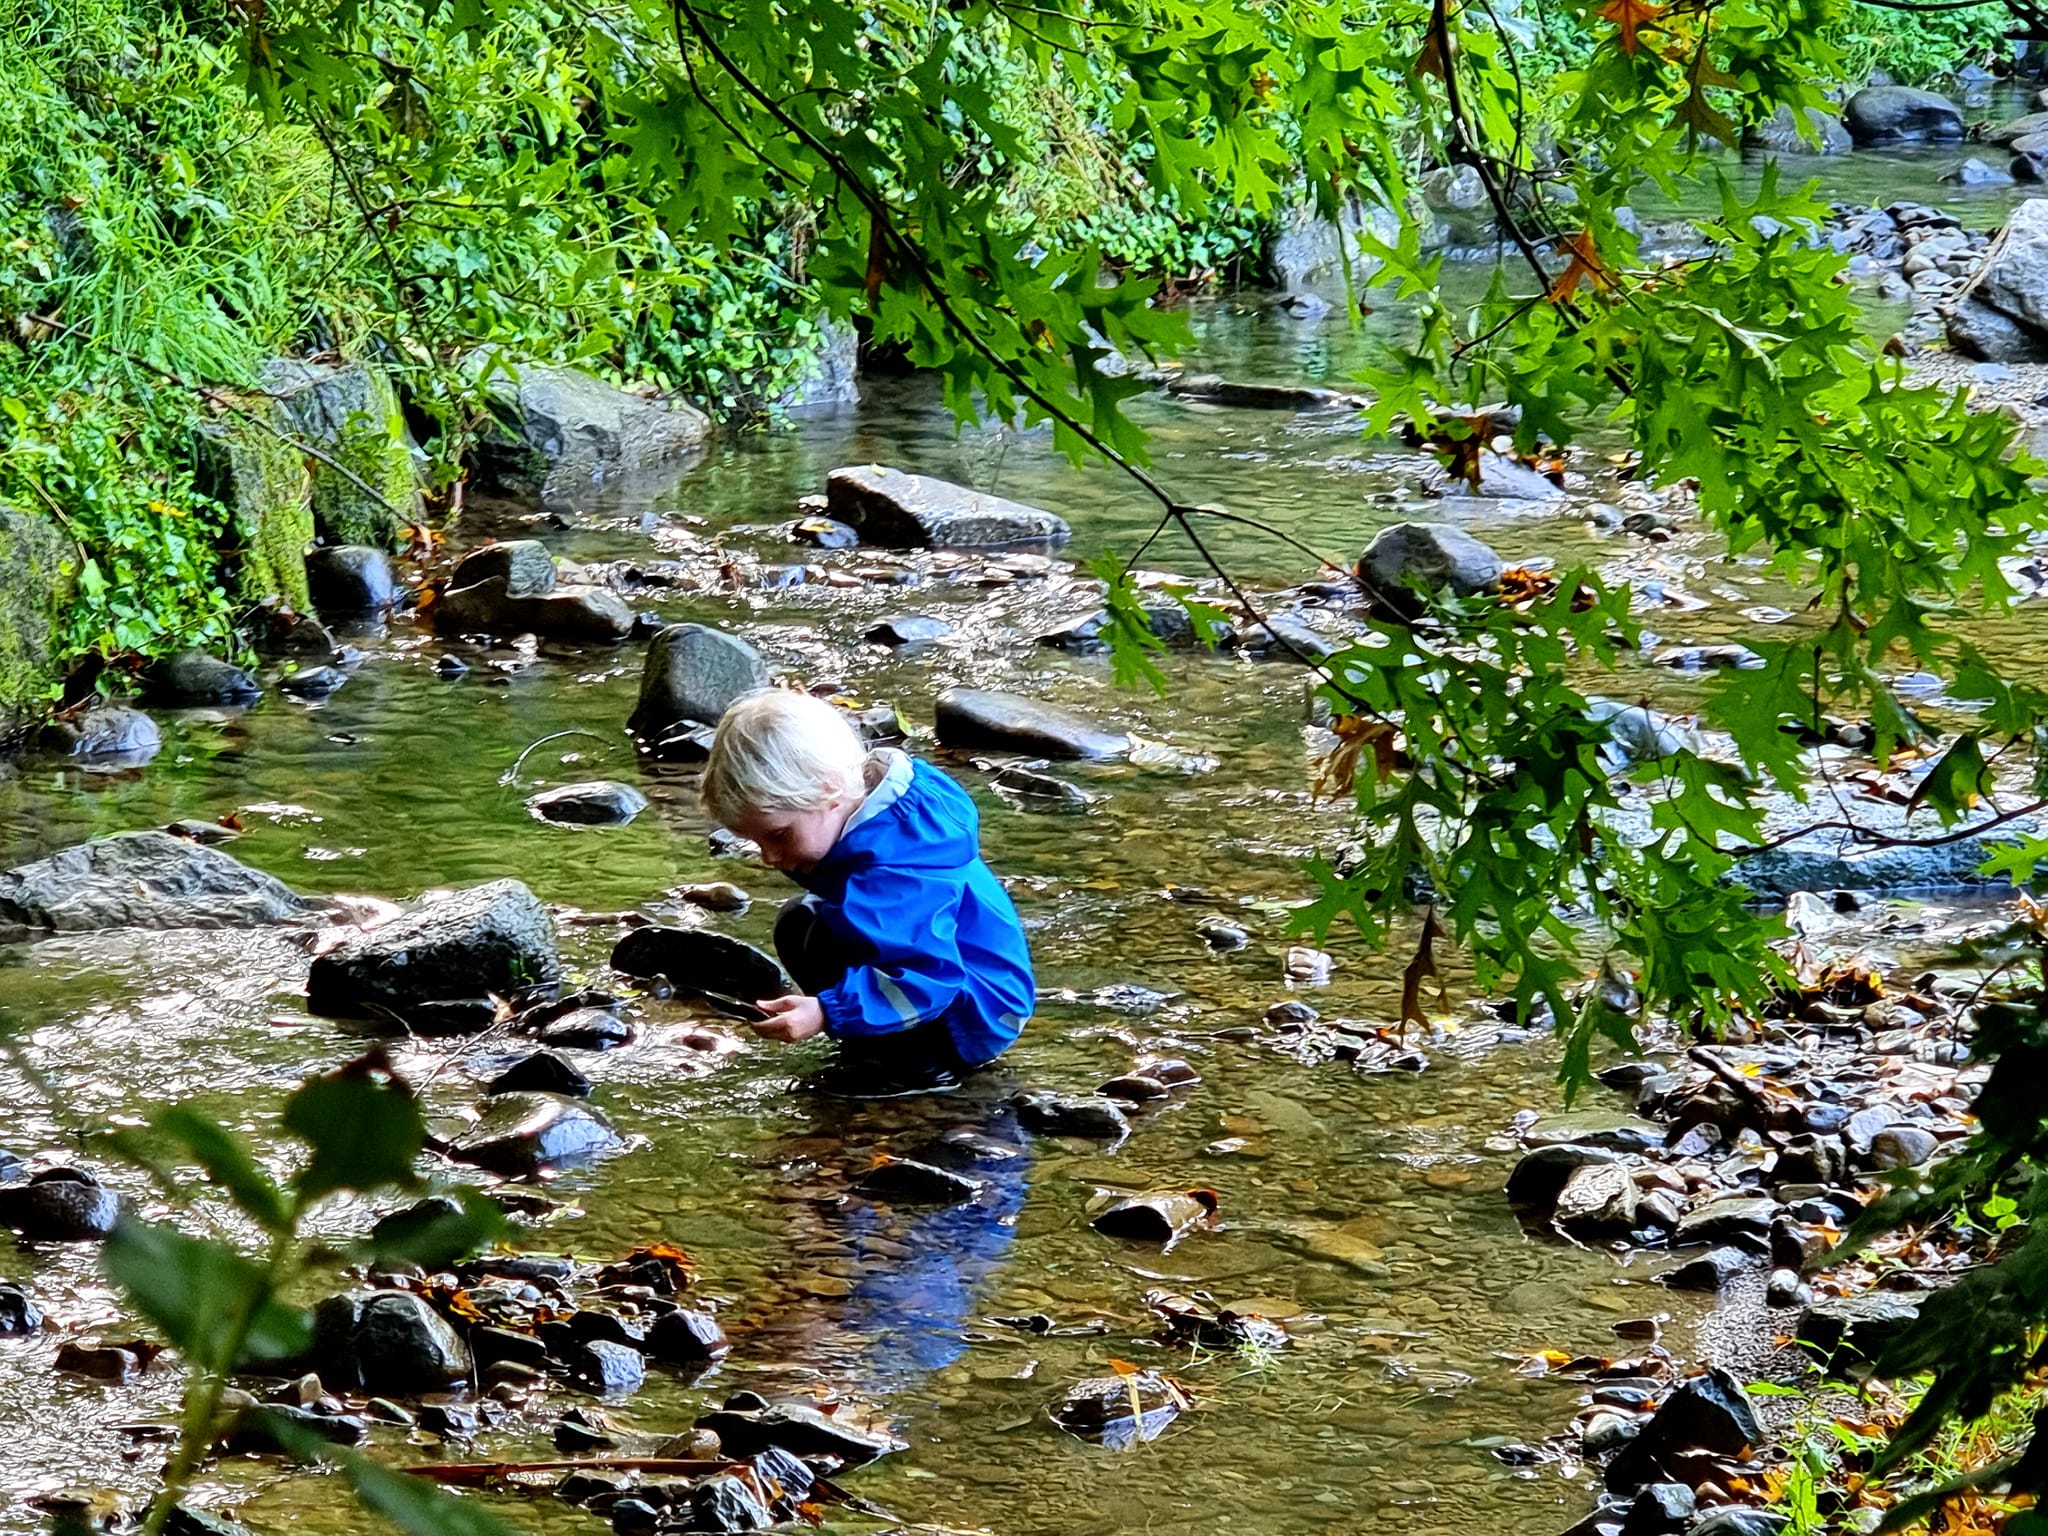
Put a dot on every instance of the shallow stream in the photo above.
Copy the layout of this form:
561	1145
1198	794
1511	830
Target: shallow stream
1364	1210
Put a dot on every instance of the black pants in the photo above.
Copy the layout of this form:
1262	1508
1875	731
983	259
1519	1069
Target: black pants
913	1060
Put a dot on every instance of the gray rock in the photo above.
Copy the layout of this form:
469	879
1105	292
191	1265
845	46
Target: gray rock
1728	1221
62	1205
1782	135
495	937
830	375
143	880
1596	1128
312	682
1786	1289
2012	283
1429	556
561	426
904	511
1708	1415
1856	1330
1711	1271
193	677
699	960
1214	389
606	1367
1502	478
1308	245
802	1431
1083	636
541	1072
524	565
1284	637
351	410
350	580
1902	1146
594	615
2009	133
598	803
904	629
684	1337
521	1135
1900	114
1975	173
1662	1509
587	1029
19	1315
1848	867
1542	1174
108	734
1089	1117
693	675
386	1343
1639	734
975	718
726	1503
1597	1201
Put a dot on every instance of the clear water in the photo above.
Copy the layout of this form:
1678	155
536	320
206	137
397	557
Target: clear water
1363	1209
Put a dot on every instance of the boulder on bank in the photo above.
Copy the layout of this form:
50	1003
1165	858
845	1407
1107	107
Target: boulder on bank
520	1135
350	580
903	511
589	615
386	1343
111	734
977	718
196	678
492	938
693	675
1902	114
2001	313
557	426
1808	132
1306	245
830	375
350	411
143	880
525	566
1431	557
248	461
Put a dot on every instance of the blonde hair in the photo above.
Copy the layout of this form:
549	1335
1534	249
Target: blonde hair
781	751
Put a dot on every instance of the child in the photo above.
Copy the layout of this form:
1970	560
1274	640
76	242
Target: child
907	950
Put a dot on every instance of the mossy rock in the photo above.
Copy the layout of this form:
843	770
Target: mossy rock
350	411
263	481
35	587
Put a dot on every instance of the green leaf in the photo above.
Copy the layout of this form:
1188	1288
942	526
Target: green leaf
228	1163
439	1237
213	1304
364	1127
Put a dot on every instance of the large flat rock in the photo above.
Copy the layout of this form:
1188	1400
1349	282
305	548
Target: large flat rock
905	511
493	938
1008	722
143	880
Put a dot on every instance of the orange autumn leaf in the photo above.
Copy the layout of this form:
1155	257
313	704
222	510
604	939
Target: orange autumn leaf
1585	264
1630	16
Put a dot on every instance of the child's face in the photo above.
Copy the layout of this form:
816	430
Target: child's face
794	841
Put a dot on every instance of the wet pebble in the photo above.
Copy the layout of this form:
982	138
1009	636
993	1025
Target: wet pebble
18	1313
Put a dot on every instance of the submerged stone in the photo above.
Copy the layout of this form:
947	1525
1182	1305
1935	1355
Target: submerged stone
522	1134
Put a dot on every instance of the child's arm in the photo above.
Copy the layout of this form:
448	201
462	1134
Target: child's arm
909	916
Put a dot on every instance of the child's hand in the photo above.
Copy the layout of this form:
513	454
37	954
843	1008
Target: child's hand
791	1018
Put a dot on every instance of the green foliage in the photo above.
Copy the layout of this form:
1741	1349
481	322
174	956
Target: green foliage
1918	47
217	1307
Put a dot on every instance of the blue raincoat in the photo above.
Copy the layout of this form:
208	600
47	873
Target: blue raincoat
905	889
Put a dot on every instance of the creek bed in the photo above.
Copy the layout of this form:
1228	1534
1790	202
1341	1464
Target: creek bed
1364	1209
